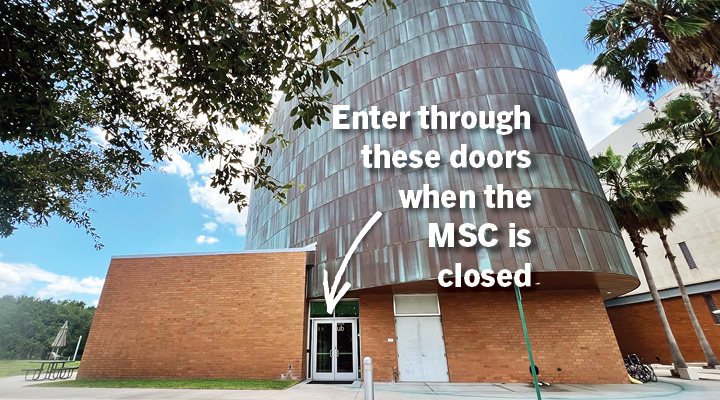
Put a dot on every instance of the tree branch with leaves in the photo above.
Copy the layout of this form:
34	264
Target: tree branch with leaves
150	78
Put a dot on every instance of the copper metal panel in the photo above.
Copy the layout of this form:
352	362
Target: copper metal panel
460	55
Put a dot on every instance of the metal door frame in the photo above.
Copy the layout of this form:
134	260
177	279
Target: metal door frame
334	375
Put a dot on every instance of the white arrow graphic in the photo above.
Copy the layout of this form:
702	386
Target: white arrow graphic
330	298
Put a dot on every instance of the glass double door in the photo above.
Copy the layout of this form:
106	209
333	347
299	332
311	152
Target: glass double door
334	350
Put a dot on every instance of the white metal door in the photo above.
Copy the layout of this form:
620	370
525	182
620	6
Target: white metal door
346	353
432	345
334	350
421	349
323	350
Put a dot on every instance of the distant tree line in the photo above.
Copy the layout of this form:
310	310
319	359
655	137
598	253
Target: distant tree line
28	326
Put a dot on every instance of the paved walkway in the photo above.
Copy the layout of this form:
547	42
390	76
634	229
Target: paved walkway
665	389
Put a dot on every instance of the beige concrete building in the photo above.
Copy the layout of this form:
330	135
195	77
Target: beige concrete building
695	242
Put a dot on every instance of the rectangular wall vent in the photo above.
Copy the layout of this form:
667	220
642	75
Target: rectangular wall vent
687	255
713	308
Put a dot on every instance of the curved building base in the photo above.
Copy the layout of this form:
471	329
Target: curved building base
570	333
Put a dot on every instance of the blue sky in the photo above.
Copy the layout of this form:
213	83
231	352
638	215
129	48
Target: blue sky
181	213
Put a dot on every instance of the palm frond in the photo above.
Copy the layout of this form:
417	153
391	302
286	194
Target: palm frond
645	189
657	128
655	41
612	67
597	33
684	27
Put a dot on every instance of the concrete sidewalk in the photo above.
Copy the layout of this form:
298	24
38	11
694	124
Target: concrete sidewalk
666	388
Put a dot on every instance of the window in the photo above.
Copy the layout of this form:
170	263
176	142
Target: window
713	308
687	255
345	308
416	304
318	309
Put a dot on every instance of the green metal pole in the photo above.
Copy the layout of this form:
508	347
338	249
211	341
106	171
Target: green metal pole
527	340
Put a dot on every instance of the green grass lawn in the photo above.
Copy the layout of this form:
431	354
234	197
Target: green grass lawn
247	384
13	367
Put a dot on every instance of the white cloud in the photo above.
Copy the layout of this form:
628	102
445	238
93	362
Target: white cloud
210	226
66	285
14	277
202	239
208	167
209	198
213	201
599	109
99	136
176	164
22	278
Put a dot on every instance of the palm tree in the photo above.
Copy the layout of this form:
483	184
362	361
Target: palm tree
645	42
637	199
676	171
691	124
710	357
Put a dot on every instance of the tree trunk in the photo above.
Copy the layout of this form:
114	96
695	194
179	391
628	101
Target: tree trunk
639	250
712	361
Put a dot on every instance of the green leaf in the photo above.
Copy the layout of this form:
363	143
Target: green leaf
351	43
336	78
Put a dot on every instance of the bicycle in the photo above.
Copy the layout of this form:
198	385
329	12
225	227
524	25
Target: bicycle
638	369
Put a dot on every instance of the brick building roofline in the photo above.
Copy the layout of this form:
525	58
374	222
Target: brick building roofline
307	249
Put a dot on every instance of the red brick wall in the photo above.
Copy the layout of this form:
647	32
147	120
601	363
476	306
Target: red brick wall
377	324
219	316
569	330
638	329
484	341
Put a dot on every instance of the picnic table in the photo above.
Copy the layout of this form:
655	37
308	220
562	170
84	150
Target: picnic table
53	369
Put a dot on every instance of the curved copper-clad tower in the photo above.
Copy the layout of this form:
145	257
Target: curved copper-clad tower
476	55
